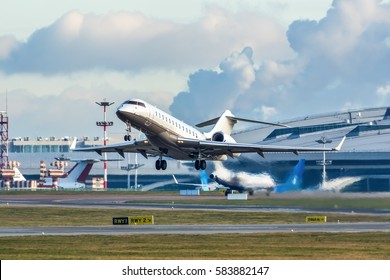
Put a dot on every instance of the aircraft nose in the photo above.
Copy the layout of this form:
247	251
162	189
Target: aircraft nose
121	113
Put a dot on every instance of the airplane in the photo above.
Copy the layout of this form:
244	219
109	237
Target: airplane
75	177
169	137
242	183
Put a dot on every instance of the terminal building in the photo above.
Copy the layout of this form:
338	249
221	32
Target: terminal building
362	164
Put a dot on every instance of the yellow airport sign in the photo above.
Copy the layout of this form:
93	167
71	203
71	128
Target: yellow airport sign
222	191
142	220
316	219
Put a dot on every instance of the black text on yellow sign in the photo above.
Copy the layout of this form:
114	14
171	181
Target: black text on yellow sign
316	219
120	220
142	220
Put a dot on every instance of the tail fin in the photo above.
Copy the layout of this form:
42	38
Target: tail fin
387	114
224	123
294	182
79	171
18	175
227	120
204	178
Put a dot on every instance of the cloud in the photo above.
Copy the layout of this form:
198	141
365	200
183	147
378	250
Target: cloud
129	41
212	91
341	60
7	45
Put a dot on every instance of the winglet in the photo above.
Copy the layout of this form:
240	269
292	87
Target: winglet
73	145
338	148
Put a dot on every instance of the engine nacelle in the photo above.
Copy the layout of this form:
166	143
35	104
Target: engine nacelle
222	137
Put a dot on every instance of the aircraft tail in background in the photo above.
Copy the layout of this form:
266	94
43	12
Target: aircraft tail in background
294	181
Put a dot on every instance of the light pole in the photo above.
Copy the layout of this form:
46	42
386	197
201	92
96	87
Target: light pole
324	141
104	124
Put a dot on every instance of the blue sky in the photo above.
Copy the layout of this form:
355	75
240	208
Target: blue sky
269	60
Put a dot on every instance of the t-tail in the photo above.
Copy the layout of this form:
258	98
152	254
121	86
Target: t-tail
223	125
294	181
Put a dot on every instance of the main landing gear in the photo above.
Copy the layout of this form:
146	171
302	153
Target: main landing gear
161	164
200	164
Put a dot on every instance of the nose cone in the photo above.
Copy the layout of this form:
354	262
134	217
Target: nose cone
121	114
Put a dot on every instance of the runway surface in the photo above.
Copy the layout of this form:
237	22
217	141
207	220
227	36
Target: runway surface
168	202
127	201
195	229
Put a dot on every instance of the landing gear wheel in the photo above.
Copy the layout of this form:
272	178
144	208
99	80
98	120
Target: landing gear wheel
200	164
203	164
161	164
164	164
158	164
127	137
197	164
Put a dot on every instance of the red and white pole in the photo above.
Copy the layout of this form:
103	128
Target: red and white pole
105	124
105	143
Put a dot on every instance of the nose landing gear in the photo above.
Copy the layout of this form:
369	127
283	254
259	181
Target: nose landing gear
127	137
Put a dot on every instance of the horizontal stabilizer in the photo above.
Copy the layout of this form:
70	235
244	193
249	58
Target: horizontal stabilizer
207	123
255	121
235	119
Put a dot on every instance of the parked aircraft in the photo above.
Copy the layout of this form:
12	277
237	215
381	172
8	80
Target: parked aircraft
74	178
170	137
261	182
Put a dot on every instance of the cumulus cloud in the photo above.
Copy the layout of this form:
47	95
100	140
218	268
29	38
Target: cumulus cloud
134	42
7	45
341	60
213	91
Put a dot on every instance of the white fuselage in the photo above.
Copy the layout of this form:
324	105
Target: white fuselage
161	129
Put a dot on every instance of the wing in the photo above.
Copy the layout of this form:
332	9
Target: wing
143	147
214	148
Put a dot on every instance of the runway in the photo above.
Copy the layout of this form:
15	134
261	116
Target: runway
128	201
173	202
195	229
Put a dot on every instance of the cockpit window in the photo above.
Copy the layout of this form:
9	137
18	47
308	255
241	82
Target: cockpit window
132	102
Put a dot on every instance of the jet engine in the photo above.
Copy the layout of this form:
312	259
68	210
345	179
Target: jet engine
222	137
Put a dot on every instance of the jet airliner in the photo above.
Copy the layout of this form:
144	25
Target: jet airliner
169	137
241	184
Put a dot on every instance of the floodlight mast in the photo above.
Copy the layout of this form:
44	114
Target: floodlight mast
104	124
324	141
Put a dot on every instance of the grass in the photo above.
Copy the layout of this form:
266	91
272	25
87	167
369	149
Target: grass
301	246
311	202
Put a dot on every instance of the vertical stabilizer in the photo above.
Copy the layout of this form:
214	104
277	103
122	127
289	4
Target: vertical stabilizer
224	124
387	114
79	172
294	181
18	175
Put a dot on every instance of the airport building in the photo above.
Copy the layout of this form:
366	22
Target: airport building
362	164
